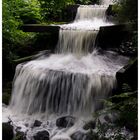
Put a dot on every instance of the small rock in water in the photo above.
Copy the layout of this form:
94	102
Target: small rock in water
37	123
66	121
7	131
89	125
26	124
41	135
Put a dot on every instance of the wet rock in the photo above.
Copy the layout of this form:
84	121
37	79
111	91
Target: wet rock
26	124
112	36
89	125
41	135
128	74
37	123
7	131
82	136
66	121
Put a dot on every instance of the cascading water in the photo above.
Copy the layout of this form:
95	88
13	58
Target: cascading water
79	36
70	82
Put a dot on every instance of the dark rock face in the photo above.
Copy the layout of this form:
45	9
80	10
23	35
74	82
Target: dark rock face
37	123
66	121
70	13
7	131
40	28
81	136
112	36
128	74
42	135
89	125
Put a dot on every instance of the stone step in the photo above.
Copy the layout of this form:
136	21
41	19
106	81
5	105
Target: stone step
40	28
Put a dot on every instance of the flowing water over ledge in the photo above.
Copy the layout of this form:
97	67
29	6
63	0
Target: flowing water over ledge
70	82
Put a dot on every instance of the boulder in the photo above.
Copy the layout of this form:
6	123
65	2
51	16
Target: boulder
66	121
41	135
37	123
79	135
7	131
89	125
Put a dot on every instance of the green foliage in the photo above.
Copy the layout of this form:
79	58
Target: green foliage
126	10
12	13
30	12
87	1
126	106
52	9
84	1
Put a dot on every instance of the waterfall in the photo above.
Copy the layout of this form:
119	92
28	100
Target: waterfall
74	80
78	42
89	12
79	37
64	84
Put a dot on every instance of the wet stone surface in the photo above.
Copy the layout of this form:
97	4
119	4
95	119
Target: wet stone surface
66	121
37	123
41	135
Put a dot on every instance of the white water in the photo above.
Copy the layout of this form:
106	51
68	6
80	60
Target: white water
70	82
79	37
